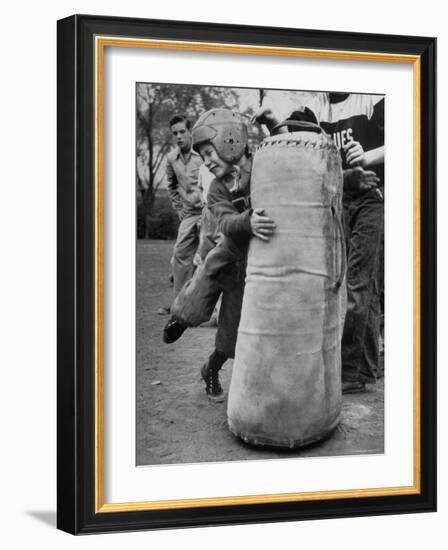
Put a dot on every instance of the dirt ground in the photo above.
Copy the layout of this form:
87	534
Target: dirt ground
175	421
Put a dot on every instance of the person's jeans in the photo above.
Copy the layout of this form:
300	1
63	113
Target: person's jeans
364	225
184	250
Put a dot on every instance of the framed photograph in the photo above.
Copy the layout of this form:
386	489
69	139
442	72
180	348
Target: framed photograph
246	274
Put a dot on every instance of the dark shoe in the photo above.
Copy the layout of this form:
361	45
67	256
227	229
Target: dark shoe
173	330
163	310
353	387
213	388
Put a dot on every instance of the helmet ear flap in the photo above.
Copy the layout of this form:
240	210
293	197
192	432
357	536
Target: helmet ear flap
202	134
225	129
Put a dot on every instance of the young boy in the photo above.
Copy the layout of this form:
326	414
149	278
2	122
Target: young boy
220	137
182	169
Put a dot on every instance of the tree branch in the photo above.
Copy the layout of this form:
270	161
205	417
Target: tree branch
158	184
160	155
140	183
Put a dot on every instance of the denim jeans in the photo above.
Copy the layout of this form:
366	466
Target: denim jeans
364	226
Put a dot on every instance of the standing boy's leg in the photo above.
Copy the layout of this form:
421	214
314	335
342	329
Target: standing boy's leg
360	336
184	251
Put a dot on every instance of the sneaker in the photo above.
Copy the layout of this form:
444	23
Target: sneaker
173	330
213	388
353	387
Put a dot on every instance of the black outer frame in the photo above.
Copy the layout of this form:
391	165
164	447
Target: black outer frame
75	402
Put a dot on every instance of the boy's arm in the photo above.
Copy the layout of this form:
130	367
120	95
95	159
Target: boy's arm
374	156
192	196
238	226
231	223
265	116
356	156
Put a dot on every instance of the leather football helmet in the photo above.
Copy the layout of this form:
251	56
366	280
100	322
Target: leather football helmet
223	128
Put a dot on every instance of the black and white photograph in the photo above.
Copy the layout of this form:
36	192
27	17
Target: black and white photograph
221	327
259	273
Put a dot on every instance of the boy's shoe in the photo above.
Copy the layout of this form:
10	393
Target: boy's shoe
173	330
213	388
353	387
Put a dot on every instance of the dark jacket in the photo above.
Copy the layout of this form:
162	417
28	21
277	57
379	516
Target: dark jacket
232	213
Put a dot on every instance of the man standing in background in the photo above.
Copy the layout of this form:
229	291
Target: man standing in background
182	170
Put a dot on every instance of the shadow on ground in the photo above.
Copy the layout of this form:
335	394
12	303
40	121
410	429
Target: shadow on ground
48	517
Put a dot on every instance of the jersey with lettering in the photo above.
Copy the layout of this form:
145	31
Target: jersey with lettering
359	117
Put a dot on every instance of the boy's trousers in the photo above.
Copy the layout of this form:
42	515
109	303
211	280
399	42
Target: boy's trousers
364	219
222	272
184	250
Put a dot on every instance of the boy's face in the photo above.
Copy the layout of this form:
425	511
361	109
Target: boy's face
182	136
218	167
